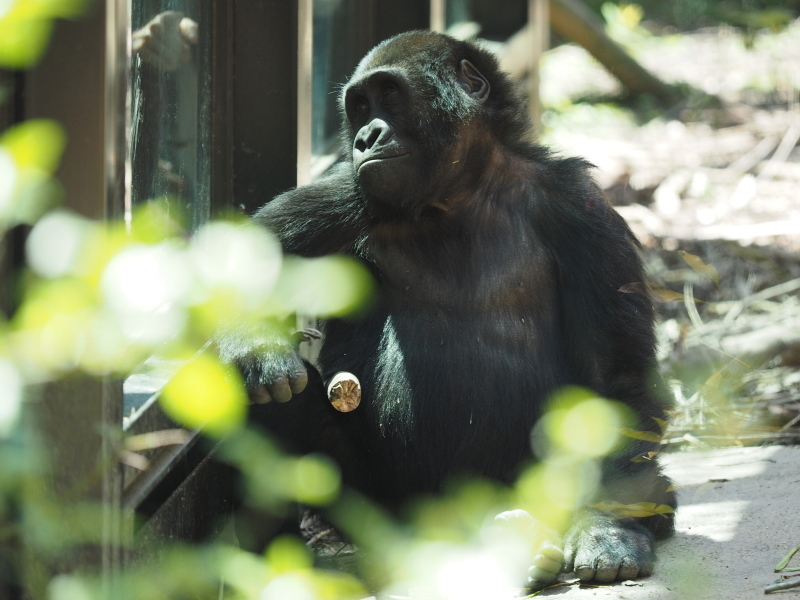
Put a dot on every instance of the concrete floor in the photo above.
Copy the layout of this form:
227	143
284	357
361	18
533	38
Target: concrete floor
739	515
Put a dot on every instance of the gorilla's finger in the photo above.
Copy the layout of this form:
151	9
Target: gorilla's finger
539	578
260	395
298	381
569	558
540	561
552	551
606	571
280	390
628	569
584	572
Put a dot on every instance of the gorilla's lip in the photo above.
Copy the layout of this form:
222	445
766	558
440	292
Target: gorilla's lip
373	159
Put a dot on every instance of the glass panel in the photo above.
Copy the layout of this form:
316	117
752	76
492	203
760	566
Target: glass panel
341	38
170	105
169	152
458	11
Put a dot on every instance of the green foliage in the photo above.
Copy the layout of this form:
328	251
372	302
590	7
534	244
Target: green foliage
623	24
690	14
99	298
96	300
29	154
784	563
206	394
25	27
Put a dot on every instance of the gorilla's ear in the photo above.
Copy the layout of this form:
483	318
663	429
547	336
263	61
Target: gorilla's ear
472	82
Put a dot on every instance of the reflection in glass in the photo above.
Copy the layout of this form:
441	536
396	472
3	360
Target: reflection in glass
339	43
169	148
458	11
170	105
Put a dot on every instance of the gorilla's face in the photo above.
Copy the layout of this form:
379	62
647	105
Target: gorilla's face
386	152
404	120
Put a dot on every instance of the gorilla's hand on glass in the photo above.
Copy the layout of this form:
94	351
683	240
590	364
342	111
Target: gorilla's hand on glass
165	42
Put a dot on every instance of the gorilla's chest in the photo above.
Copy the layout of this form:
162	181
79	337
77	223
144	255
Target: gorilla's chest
469	277
460	350
457	384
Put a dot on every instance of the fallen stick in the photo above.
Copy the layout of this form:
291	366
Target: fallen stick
785	148
750	160
783	585
786	287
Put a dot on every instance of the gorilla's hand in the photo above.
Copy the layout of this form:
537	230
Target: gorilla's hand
548	556
270	364
166	40
605	549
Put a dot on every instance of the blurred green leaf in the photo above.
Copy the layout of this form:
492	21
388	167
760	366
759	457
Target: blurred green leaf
286	554
206	394
330	286
11	393
155	221
581	424
662	424
25	28
267	474
648	436
46	9
315	480
49	329
55	243
36	144
23	41
640	509
781	566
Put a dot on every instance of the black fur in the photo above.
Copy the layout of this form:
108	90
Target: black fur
498	269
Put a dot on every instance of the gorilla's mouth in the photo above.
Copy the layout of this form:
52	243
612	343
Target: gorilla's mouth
375	159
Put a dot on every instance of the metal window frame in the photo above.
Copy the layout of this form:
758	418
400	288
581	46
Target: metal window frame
260	147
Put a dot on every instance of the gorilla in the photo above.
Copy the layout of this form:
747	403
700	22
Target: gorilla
498	269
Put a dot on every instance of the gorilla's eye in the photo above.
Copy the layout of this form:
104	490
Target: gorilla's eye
390	90
359	105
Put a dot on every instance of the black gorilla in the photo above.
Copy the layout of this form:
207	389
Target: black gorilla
498	269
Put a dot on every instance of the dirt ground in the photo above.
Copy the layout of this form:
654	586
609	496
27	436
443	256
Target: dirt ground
722	184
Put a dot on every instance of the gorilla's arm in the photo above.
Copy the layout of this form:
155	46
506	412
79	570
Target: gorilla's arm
324	217
611	344
314	220
609	333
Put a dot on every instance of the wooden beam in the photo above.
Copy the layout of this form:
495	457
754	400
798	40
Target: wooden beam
573	20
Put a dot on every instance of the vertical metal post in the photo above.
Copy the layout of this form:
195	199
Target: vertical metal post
539	27
117	203
438	19
305	61
305	64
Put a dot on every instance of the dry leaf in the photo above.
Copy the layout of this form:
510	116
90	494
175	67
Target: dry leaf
707	271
